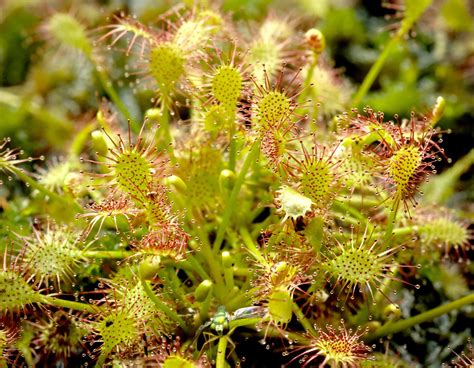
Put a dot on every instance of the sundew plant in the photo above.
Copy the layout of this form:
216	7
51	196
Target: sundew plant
226	184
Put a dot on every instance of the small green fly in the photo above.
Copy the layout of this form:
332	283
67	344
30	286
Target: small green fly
220	322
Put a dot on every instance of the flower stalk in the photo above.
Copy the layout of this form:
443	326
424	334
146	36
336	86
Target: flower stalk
232	204
402	325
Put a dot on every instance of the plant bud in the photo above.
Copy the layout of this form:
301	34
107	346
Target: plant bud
438	110
149	267
153	115
372	326
392	312
227	259
203	290
176	182
226	180
98	141
315	40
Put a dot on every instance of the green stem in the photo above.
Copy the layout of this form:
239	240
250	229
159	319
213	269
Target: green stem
401	231
185	266
162	306
221	350
242	271
309	77
345	208
233	238
383	289
250	245
392	328
275	332
81	139
375	70
28	356
176	289
232	204
204	310
258	228
165	126
302	319
194	263
35	185
102	357
391	219
106	254
232	146
244	322
214	265
405	27
108	87
360	201
69	304
388	239
229	278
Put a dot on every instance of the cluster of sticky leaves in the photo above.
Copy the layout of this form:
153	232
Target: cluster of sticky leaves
340	348
52	254
16	292
133	177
